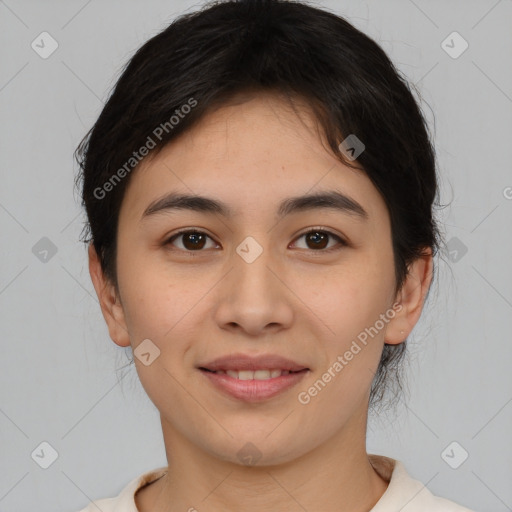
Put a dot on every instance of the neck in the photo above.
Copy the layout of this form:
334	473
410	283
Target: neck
334	477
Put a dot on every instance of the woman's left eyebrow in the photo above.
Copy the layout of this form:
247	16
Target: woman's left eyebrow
329	199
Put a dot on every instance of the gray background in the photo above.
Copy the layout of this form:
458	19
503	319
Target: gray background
63	381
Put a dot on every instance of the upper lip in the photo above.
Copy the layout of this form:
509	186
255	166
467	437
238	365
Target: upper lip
246	362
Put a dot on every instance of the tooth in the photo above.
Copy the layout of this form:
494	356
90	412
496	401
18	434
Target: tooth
262	374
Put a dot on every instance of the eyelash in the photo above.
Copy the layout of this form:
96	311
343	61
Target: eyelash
340	240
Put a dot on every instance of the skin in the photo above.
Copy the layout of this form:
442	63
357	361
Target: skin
293	300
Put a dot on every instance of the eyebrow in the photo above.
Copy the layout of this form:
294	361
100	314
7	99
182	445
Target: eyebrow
331	199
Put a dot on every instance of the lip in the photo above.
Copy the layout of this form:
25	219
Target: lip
246	362
253	390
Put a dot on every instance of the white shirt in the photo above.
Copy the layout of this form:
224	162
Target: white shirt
403	494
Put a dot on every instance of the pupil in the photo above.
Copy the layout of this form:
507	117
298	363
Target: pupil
195	239
316	237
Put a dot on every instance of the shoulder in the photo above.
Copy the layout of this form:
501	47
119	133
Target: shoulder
406	494
125	501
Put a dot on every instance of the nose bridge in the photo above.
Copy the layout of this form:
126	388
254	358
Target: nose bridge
252	268
253	296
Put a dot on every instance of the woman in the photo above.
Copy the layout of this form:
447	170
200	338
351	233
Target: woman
259	189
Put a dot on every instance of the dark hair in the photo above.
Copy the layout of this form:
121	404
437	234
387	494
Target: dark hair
204	58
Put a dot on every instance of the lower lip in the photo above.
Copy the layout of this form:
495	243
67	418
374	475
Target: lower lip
254	390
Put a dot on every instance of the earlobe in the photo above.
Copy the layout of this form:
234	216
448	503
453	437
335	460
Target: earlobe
411	297
110	303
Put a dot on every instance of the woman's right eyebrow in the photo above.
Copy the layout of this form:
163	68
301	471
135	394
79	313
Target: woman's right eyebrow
327	200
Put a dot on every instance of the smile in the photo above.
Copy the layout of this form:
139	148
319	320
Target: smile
262	374
253	386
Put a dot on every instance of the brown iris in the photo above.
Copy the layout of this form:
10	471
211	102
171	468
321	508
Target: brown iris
319	239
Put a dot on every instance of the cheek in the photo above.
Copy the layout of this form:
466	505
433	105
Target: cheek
150	302
349	311
156	309
352	350
164	307
347	299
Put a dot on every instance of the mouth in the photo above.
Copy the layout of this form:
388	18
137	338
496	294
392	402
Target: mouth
260	374
251	377
253	386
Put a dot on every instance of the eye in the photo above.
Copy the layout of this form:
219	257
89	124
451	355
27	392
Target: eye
318	239
192	240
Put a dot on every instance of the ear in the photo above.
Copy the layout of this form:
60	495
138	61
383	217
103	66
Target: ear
411	297
110	303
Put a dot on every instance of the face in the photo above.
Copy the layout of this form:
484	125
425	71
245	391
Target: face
305	285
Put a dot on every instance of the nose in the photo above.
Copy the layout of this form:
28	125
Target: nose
253	297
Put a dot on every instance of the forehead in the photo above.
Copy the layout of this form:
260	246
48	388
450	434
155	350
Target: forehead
250	154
